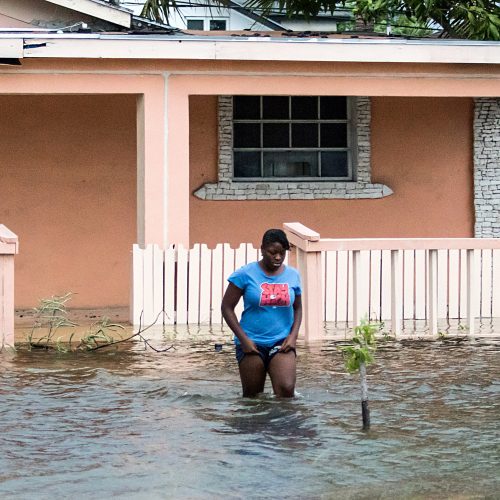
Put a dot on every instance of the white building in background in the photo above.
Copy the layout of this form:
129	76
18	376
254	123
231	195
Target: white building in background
239	18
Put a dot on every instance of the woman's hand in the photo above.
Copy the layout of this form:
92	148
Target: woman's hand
289	343
248	346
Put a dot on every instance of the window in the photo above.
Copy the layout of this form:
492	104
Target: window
195	24
211	24
217	25
276	137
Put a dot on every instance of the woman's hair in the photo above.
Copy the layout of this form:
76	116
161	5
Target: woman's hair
275	236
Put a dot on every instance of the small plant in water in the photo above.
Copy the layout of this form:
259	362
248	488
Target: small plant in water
52	315
98	334
358	355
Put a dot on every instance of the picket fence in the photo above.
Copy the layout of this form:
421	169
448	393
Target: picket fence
9	247
185	286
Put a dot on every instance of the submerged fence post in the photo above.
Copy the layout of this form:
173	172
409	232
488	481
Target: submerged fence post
396	292
471	291
433	291
9	246
356	287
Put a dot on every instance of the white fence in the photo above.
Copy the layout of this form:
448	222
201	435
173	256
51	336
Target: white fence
375	270
188	285
183	286
9	246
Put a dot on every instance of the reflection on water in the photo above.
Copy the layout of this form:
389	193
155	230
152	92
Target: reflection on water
137	424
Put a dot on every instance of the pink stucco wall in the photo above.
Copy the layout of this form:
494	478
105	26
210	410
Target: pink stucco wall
68	190
69	182
421	148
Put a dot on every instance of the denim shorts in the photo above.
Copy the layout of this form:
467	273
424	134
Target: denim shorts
265	352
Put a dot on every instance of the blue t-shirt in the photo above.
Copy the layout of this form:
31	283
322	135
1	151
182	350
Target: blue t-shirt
268	302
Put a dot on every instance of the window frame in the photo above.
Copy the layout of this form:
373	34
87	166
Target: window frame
225	19
194	18
350	149
206	22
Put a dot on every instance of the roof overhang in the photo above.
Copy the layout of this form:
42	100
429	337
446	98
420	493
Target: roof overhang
100	46
97	9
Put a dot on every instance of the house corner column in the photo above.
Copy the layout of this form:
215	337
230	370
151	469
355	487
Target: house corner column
487	167
151	217
178	190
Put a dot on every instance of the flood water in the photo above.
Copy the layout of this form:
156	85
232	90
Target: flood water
139	424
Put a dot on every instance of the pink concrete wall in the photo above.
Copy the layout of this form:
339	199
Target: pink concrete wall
68	170
421	148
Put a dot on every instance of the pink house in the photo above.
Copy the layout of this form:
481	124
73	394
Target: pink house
110	138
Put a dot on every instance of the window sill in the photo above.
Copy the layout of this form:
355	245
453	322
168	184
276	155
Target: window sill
320	190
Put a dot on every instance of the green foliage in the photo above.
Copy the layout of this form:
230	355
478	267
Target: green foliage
159	10
99	334
476	19
472	19
386	336
52	315
362	347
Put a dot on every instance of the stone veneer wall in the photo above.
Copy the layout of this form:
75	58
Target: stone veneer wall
487	167
227	189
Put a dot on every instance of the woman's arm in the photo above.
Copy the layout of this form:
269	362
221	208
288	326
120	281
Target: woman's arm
231	298
291	340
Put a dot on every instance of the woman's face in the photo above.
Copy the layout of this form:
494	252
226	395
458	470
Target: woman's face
273	256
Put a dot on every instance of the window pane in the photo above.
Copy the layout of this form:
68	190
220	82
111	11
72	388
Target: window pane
304	135
246	135
195	24
275	108
333	108
291	164
217	24
246	107
247	164
304	107
276	135
334	164
334	135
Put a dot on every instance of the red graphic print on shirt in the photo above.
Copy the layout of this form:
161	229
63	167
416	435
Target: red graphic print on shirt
274	294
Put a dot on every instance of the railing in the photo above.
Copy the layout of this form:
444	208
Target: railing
396	279
9	246
182	286
343	280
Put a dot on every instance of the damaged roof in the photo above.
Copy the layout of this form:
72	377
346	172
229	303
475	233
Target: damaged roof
72	16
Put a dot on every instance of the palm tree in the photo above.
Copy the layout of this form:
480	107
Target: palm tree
470	19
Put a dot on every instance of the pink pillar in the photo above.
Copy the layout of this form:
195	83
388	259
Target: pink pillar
151	168
178	161
8	248
310	269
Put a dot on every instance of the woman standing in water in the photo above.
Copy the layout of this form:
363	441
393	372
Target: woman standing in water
265	337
